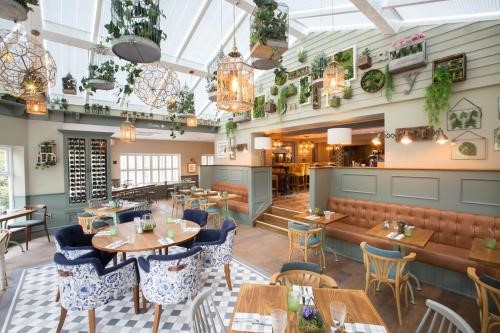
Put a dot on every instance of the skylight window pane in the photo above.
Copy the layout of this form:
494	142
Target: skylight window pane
77	15
451	8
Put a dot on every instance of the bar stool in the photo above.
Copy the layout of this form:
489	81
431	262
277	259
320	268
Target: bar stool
298	177
275	184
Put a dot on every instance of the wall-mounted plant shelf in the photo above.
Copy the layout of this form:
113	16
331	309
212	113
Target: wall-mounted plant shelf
456	64
408	57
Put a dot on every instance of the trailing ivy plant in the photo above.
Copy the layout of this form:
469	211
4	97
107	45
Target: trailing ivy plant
319	64
268	23
280	74
258	107
184	101
230	128
305	90
105	71
437	96
175	126
133	73
389	84
281	103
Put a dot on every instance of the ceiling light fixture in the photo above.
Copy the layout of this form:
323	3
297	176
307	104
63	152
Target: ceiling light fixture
235	89
127	132
157	85
406	139
441	138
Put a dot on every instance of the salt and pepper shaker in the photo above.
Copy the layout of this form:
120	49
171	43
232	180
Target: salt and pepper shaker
386	225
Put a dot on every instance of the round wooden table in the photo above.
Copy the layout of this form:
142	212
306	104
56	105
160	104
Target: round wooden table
146	241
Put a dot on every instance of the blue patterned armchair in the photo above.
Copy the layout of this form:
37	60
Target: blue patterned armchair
170	279
86	285
217	247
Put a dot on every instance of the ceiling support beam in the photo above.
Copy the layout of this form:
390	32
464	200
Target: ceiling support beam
318	12
403	3
386	20
193	28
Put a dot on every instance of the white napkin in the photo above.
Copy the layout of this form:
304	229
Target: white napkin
362	328
312	217
252	322
103	233
395	235
191	229
116	244
166	241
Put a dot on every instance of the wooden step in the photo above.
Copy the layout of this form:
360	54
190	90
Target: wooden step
270	227
284	212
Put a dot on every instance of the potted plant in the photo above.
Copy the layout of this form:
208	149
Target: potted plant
318	66
408	53
95	108
291	90
55	103
268	33
301	55
280	74
437	96
334	102
107	110
270	107
274	90
364	60
211	88
69	84
100	77
347	92
135	31
258	107
64	103
16	10
230	128
86	108
100	109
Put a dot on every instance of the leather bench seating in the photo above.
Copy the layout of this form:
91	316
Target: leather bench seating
240	204
449	246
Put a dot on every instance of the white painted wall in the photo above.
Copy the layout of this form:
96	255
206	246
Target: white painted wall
481	43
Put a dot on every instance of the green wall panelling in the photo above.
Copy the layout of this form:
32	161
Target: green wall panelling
319	187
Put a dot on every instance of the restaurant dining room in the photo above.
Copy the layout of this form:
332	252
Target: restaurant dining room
276	166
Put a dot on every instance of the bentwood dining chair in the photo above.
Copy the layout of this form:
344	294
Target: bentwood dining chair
170	279
302	274
4	242
205	318
86	285
440	319
304	239
38	217
389	267
488	299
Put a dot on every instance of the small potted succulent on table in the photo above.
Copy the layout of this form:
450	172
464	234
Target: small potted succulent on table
310	320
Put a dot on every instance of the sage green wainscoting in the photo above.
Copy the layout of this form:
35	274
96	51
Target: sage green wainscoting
476	192
319	186
257	180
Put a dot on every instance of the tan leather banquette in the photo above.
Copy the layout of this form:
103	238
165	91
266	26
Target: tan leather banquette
239	204
449	246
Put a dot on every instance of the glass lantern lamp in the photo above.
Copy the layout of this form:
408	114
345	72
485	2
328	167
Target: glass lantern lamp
36	105
127	132
334	81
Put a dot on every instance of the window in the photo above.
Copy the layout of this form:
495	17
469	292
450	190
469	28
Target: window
6	201
207	160
138	169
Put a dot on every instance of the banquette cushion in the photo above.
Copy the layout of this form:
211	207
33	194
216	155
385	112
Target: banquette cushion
239	204
451	241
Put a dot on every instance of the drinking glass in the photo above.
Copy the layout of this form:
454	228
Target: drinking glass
328	214
113	231
338	311
131	239
278	320
183	225
170	234
293	300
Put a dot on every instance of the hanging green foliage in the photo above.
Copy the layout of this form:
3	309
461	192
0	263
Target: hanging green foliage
282	106
319	64
437	96
346	60
305	89
230	128
280	74
258	107
268	23
389	84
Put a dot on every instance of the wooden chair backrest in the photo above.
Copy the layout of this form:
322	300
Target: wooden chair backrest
296	236
204	315
443	320
39	209
4	240
485	292
303	278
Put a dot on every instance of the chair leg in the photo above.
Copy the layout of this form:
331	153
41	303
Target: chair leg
406	293
58	295
91	315
27	236
115	261
46	231
290	253
136	300
227	272
398	304
156	322
367	282
306	255
144	302
62	317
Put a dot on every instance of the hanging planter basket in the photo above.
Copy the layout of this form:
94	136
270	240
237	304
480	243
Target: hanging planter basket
136	49
271	49
212	96
13	11
97	84
264	64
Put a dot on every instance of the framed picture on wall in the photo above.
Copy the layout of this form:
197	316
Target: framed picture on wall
191	167
496	139
222	149
468	146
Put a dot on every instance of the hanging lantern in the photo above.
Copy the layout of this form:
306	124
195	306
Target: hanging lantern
26	68
157	85
234	81
333	79
192	121
127	132
36	105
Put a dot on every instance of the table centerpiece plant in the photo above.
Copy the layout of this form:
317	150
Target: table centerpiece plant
310	320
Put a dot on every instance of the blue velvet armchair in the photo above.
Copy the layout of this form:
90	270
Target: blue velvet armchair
85	284
129	216
197	216
170	279
217	247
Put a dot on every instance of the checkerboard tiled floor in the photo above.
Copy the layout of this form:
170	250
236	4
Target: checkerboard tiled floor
34	309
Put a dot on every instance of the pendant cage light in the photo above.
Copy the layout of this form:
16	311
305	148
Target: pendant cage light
157	85
101	69
268	33
235	87
26	68
36	105
333	79
135	30
127	132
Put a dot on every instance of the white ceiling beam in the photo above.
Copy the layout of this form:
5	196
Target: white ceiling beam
195	85
318	12
184	65
403	3
95	35
204	109
193	28
387	20
453	19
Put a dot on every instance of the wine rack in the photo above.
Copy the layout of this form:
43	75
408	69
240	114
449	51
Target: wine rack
77	175
98	164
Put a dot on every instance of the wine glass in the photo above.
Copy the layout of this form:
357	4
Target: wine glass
278	320
338	311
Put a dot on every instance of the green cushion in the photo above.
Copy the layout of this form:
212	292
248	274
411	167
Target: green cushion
24	223
387	254
301	266
212	210
313	240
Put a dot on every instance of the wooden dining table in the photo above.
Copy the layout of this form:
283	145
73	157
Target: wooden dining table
146	241
4	219
112	212
226	214
480	253
262	299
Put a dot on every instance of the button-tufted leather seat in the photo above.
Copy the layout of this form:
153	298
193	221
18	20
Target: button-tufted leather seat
449	246
239	204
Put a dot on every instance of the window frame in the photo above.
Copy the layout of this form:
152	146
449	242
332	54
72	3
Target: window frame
149	169
210	157
9	174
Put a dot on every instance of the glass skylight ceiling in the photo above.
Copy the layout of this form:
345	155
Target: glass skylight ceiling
194	36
